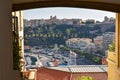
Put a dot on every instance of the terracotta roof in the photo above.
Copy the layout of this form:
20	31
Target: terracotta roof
52	74
26	73
29	73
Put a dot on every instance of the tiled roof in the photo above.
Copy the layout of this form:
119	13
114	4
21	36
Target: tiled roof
81	68
51	74
72	72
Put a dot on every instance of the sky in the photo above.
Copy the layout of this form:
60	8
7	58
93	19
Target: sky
66	12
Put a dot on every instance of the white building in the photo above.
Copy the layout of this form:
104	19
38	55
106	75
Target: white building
91	48
108	38
72	60
99	43
80	43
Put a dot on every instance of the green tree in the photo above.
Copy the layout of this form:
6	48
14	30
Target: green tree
36	35
16	49
48	35
85	78
40	35
45	35
33	35
29	36
112	47
53	35
95	59
76	35
68	32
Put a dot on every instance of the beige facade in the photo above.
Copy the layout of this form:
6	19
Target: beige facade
114	57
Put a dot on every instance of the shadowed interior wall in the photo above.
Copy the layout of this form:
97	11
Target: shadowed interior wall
6	56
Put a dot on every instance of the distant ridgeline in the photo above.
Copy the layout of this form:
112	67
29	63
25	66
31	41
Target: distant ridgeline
57	34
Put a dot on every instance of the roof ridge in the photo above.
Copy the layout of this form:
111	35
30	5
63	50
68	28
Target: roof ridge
69	69
102	68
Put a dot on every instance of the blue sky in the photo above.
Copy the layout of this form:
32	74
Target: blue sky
64	12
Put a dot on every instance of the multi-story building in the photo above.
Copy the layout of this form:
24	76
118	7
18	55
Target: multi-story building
91	48
31	23
34	22
67	21
26	23
90	21
109	20
108	38
52	20
80	43
99	43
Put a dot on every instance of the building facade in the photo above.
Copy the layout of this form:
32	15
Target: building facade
108	38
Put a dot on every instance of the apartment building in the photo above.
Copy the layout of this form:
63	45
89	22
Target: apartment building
108	38
80	43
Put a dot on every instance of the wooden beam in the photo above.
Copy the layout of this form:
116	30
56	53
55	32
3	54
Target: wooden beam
78	4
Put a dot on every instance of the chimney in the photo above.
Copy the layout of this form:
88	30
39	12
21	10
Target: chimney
104	61
56	62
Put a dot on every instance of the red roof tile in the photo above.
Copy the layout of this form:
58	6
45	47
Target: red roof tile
51	74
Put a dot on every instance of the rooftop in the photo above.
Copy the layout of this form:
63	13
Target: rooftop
98	72
82	68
